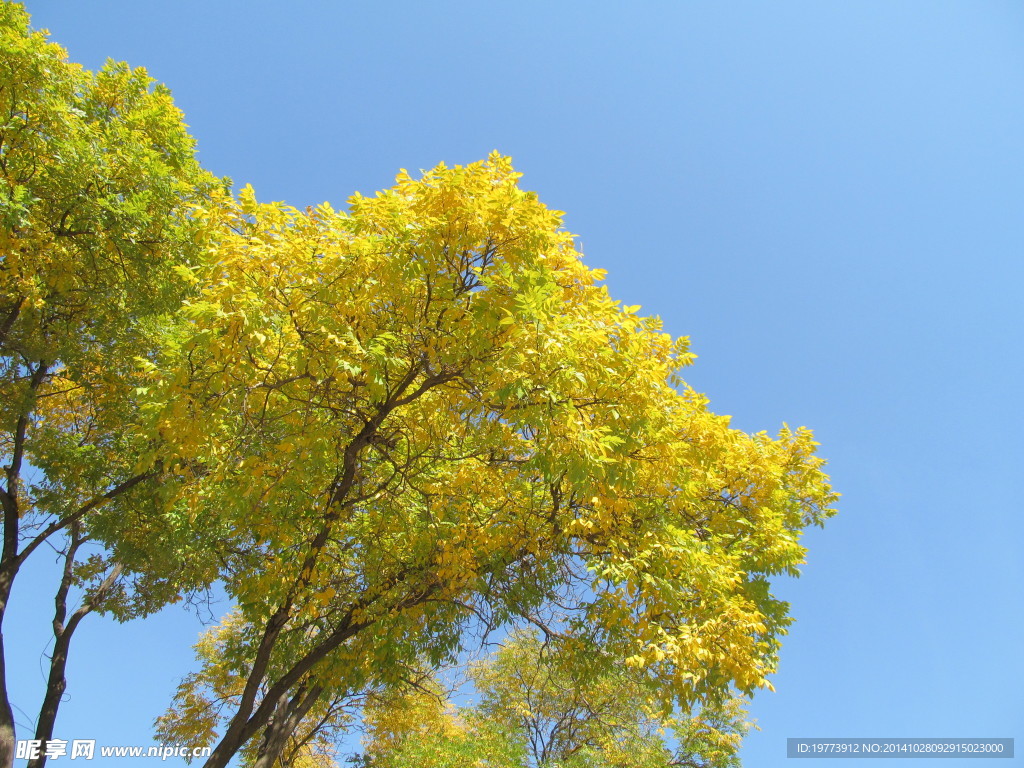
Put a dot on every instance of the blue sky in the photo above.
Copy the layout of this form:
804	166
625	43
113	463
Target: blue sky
826	197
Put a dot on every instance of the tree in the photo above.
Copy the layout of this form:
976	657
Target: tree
97	180
600	714
538	707
378	427
389	422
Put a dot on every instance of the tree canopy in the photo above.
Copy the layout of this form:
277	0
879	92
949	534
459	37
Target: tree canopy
394	420
381	429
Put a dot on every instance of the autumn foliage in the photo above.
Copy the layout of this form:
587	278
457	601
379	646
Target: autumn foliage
383	429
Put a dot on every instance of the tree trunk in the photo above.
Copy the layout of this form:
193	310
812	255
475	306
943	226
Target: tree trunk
6	715
283	725
57	682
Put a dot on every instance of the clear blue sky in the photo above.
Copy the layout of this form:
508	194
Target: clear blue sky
826	197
